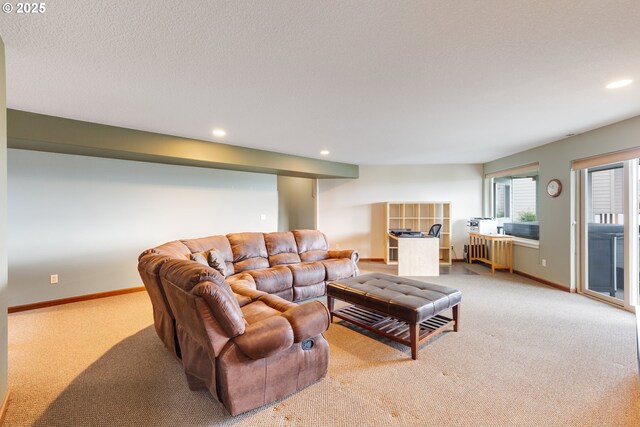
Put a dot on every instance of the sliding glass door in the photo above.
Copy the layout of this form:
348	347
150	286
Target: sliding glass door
605	230
609	238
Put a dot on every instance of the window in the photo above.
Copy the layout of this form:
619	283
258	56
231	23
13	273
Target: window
515	204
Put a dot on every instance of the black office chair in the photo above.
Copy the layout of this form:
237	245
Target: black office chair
434	231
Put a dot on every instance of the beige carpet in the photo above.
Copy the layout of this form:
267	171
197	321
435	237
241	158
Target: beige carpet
526	355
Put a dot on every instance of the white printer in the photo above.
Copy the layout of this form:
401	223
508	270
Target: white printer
483	225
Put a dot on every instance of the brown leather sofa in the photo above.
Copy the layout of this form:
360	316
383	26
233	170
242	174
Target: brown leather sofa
236	333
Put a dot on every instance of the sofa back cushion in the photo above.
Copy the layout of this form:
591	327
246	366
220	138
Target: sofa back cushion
249	251
312	245
218	243
186	274
281	248
175	249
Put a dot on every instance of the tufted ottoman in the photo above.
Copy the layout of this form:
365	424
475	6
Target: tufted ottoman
403	310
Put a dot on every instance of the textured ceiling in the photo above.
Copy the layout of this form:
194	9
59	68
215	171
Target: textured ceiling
374	82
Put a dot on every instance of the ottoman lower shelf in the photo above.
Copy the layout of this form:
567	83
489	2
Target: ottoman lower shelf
394	329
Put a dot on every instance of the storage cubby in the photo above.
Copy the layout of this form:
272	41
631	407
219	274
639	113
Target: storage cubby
418	216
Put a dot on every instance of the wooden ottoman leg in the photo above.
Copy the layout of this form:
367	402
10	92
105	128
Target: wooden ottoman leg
330	307
414	334
456	317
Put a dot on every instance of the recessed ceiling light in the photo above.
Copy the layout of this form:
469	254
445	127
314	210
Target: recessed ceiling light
219	132
325	152
619	83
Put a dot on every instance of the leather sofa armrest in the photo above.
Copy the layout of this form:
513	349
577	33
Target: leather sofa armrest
265	338
351	254
147	252
308	320
276	302
151	262
252	294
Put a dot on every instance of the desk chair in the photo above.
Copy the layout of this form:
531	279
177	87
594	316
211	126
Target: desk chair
434	231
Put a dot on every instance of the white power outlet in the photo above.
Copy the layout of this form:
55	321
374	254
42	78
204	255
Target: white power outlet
263	217
53	279
543	262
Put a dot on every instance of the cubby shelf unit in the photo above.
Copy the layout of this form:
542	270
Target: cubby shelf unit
418	216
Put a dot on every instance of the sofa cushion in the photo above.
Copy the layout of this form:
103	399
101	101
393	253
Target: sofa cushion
249	251
338	268
205	244
273	279
281	248
312	244
283	259
257	311
286	294
218	243
251	264
305	292
310	240
211	259
216	260
200	258
307	273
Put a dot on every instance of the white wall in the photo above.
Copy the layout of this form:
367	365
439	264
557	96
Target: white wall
351	212
87	219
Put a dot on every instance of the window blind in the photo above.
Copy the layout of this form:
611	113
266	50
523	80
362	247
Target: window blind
616	156
531	167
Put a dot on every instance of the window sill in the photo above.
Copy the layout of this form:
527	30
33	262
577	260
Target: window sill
527	243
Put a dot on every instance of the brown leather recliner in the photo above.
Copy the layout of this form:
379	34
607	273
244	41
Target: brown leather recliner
248	348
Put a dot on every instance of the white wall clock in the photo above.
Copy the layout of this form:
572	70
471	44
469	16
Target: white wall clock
554	188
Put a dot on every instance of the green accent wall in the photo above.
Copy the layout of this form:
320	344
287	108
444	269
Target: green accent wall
297	201
557	234
4	352
31	131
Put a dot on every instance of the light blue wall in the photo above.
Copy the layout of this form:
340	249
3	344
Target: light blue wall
87	219
556	231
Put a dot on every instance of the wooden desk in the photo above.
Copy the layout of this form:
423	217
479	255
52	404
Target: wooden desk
494	249
418	256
